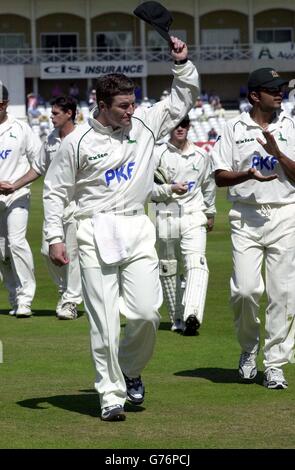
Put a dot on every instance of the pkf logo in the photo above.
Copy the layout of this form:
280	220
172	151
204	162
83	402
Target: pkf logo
4	154
261	163
190	185
121	174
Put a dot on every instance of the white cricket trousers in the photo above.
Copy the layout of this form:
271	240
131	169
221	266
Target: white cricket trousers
186	236
136	280
264	233
67	278
16	260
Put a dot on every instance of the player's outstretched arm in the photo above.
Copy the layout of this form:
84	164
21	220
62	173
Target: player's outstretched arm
231	178
30	176
179	51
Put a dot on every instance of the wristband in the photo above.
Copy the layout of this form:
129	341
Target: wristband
181	62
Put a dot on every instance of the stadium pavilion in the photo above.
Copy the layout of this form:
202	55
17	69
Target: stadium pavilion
47	41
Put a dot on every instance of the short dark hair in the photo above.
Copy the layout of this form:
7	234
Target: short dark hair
3	93
111	85
66	103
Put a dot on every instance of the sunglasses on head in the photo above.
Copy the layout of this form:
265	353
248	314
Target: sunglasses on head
184	124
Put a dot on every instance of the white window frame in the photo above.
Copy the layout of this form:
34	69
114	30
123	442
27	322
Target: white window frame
205	36
96	33
273	29
22	35
60	34
154	39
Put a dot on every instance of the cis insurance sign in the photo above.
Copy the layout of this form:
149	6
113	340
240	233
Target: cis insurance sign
52	70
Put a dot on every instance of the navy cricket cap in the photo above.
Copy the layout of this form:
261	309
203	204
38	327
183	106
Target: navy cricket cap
3	93
265	78
157	16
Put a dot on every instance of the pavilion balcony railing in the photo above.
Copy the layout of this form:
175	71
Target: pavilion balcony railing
151	54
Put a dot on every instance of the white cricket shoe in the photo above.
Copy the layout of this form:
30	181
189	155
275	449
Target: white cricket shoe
247	366
23	311
58	306
274	379
113	413
12	312
177	326
68	312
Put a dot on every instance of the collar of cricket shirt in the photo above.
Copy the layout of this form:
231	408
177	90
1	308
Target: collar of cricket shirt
189	151
245	118
6	125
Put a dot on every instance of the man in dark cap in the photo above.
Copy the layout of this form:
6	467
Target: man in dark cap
255	157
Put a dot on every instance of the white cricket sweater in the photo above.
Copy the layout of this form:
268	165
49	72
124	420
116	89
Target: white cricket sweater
112	170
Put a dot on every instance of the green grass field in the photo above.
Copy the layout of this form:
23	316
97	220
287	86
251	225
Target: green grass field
194	399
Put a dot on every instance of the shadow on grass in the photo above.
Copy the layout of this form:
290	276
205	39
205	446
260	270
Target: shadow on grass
166	326
48	313
86	403
219	375
39	313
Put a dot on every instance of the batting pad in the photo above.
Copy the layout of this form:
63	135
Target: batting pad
194	297
168	267
172	295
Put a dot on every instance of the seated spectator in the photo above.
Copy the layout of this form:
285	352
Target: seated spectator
212	134
198	103
164	94
203	116
92	99
245	106
79	116
44	127
56	90
138	95
243	92
219	111
204	96
33	111
74	91
32	101
41	100
146	103
214	100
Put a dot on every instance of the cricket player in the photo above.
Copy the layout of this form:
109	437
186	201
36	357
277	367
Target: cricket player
255	157
185	211
107	166
66	277
18	148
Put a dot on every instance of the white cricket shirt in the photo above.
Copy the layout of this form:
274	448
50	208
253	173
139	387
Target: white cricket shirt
191	166
112	170
19	146
238	150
